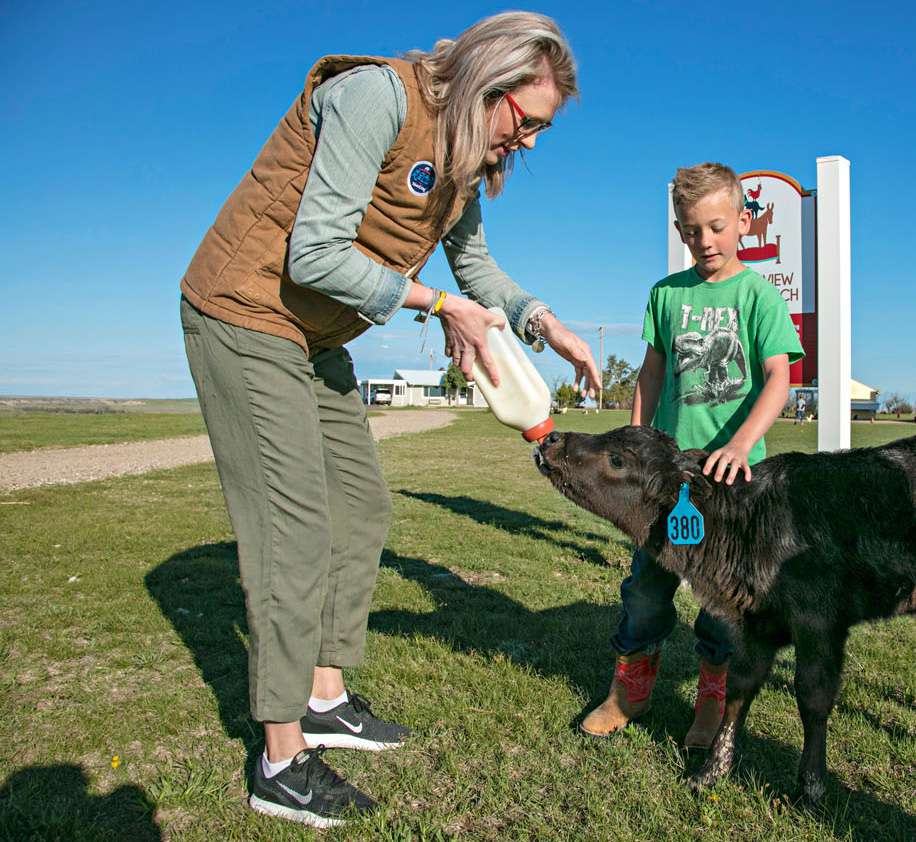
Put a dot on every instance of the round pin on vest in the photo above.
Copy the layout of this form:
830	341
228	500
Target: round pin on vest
421	178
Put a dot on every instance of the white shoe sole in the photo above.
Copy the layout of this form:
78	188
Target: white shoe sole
346	741
259	805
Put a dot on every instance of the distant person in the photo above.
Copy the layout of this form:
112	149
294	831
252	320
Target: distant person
800	406
716	377
375	163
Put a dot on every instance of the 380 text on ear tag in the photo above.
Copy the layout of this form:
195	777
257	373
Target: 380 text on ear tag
685	523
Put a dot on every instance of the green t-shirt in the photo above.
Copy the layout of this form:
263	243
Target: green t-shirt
715	338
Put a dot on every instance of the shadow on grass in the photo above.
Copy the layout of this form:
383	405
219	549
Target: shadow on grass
570	641
846	813
199	592
516	522
51	803
475	618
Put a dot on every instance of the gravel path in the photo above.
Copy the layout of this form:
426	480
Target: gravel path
60	466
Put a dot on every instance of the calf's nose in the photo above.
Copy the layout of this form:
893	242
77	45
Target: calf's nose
551	439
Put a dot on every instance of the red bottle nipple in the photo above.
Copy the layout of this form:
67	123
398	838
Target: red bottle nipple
538	431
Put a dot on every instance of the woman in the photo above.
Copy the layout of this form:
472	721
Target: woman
375	163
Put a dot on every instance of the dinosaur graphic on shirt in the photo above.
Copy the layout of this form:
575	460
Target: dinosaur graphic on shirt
711	353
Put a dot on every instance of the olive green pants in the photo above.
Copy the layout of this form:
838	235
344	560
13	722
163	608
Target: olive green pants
306	499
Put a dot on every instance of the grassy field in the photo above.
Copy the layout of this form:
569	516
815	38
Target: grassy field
30	430
885	416
124	713
74	422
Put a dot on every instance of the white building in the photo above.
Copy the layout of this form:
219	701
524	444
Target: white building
864	400
417	387
864	403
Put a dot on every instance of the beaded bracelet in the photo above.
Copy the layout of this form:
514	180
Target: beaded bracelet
533	328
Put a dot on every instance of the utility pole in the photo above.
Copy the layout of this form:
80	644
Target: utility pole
601	366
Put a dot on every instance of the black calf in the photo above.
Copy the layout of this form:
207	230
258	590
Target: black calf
814	544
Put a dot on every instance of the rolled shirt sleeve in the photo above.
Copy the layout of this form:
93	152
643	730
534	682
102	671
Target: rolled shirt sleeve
356	117
477	274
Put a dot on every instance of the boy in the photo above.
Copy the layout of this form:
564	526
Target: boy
715	376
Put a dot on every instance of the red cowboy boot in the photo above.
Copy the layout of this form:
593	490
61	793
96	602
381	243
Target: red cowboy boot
710	705
630	695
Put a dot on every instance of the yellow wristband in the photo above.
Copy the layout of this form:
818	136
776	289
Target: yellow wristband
441	300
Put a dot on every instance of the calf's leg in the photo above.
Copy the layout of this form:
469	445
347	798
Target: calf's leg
749	668
818	668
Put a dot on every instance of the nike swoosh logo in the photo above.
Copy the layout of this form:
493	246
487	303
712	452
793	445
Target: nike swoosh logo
355	729
297	796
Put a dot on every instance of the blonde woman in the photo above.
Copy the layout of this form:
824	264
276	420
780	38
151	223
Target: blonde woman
375	163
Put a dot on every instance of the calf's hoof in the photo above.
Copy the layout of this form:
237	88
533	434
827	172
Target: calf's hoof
812	788
718	764
702	780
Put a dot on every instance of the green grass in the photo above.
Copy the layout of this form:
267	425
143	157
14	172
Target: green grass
29	430
892	416
784	435
145	420
75	422
122	632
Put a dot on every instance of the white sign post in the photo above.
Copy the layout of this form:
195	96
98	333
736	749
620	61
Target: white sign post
834	302
679	257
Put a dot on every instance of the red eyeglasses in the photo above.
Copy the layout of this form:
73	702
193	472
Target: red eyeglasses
525	126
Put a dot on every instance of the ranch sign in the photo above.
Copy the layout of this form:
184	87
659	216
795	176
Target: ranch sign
806	256
780	246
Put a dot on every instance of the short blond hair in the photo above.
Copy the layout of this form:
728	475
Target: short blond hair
693	183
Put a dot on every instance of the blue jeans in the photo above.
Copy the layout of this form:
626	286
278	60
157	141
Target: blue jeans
649	615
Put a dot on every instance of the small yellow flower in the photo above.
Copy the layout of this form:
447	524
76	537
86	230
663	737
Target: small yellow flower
116	761
713	797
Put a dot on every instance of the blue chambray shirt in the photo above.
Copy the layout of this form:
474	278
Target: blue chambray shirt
356	117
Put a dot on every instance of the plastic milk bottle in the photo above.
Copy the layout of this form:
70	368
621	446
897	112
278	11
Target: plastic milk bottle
522	399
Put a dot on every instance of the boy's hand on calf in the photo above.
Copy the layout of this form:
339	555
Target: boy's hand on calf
730	459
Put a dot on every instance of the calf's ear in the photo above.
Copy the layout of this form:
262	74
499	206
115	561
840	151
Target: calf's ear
658	485
690	464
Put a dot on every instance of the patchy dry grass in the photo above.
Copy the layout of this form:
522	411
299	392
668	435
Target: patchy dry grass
122	635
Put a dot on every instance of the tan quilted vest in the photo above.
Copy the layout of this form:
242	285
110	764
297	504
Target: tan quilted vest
239	272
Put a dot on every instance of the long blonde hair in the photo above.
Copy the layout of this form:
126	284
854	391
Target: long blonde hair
461	79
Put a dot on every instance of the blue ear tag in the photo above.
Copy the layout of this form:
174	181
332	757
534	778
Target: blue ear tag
685	523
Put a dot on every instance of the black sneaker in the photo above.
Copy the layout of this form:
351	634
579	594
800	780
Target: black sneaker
352	725
307	791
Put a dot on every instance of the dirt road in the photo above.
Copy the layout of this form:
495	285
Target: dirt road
58	466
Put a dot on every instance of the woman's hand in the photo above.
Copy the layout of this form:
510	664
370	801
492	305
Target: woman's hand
575	350
465	324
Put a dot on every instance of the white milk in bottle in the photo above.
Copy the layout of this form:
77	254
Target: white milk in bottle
522	399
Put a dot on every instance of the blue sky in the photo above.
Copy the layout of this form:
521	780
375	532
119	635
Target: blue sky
126	125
